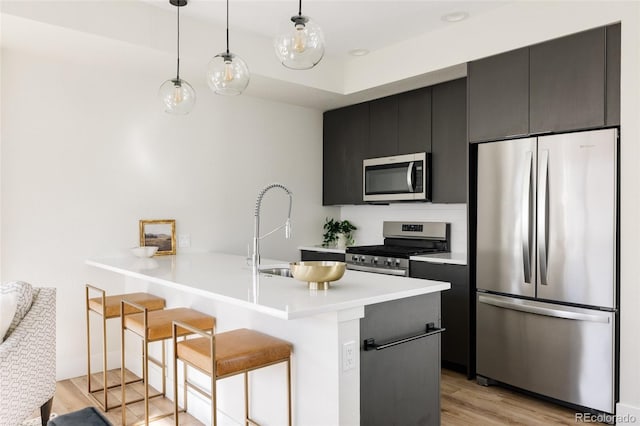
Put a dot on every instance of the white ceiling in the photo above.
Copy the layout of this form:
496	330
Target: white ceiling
140	34
347	25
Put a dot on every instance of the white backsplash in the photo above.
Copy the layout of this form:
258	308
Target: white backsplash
369	220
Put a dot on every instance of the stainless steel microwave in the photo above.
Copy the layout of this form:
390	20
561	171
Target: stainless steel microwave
398	178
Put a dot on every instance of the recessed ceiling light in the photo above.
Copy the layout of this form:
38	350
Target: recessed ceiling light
359	52
455	16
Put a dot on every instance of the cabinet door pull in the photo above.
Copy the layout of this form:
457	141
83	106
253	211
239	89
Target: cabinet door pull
430	330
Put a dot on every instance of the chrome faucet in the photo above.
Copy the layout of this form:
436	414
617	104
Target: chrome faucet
255	257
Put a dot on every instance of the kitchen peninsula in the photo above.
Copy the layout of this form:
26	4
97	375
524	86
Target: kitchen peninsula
322	326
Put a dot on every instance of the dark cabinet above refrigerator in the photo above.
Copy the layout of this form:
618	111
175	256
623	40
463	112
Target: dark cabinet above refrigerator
570	83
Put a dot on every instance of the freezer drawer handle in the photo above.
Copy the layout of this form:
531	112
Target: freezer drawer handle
540	310
430	330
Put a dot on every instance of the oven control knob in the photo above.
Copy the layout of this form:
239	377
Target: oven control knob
388	262
362	259
397	262
374	260
354	258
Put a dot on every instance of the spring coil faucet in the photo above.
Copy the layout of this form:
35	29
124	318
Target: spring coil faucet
255	257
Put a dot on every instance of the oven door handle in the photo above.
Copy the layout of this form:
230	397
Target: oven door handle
430	330
398	272
410	180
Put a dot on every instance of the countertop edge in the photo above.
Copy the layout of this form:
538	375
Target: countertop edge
443	258
323	249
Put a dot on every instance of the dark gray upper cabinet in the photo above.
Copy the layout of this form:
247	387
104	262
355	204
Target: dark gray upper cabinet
345	133
383	125
613	76
400	124
414	121
567	82
499	96
449	142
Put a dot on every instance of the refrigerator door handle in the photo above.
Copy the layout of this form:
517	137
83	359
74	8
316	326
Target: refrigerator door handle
532	308
526	218
543	200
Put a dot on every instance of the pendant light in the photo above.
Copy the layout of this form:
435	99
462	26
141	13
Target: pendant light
227	74
177	96
302	47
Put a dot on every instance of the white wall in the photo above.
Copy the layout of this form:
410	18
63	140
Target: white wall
87	152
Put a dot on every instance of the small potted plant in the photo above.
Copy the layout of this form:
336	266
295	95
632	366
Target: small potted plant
338	233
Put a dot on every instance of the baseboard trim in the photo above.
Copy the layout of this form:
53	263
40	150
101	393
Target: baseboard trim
627	414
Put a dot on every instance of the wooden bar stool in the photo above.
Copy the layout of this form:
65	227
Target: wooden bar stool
234	352
156	326
108	307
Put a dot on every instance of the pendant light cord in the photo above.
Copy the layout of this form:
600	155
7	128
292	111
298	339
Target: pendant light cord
178	43
300	8
227	27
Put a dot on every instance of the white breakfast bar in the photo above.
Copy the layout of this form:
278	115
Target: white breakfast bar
325	386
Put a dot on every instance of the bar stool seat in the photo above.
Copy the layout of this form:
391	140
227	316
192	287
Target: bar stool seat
107	308
235	352
159	322
112	304
157	326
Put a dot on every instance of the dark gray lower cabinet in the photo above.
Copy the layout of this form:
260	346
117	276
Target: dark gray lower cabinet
321	255
400	384
456	308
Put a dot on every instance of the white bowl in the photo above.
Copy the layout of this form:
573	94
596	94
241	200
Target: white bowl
147	251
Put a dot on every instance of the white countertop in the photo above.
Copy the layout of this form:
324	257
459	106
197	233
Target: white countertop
323	249
450	258
227	278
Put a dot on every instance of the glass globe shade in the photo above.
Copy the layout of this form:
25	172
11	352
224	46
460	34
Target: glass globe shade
177	96
301	47
227	74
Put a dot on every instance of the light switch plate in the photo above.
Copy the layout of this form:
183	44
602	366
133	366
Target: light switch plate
184	240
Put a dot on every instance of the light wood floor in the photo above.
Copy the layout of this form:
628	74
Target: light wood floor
463	403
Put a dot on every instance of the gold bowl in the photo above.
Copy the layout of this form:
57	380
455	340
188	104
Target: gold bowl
318	273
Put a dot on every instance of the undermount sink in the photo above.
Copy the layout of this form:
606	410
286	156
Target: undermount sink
279	271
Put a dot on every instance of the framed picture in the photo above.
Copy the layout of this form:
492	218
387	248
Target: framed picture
159	233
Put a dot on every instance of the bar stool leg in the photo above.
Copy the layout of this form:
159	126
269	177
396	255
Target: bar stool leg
122	367
90	391
246	399
289	389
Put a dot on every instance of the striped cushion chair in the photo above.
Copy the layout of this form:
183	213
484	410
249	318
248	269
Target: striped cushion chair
28	355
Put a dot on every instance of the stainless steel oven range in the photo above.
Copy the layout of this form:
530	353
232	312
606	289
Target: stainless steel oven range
401	241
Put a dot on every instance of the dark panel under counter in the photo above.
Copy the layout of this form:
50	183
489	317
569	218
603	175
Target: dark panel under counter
321	255
457	351
400	385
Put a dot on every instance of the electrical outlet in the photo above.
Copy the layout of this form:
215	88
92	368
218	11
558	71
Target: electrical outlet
348	356
184	240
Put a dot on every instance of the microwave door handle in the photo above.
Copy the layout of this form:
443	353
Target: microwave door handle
410	183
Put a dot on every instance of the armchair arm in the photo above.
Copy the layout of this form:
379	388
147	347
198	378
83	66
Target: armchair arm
28	361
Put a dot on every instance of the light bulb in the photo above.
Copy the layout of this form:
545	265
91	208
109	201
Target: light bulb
299	39
228	70
177	93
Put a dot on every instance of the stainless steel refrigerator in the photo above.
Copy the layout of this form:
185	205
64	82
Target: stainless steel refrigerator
546	272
